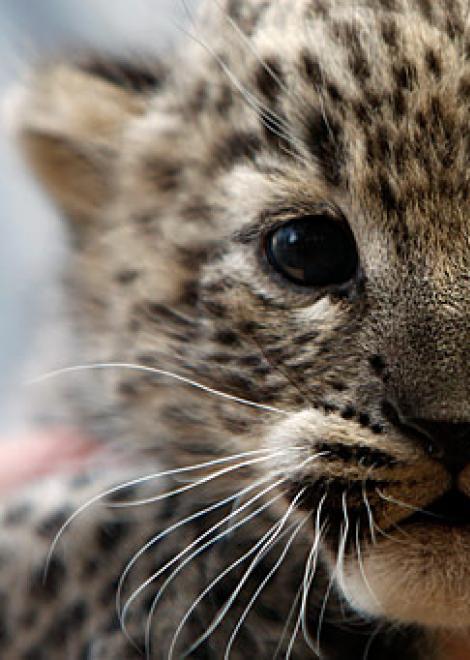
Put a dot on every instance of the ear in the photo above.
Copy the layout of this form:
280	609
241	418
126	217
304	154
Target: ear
70	121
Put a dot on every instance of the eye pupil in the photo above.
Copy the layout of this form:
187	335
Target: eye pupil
314	250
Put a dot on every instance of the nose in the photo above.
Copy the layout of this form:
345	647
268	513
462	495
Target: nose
449	441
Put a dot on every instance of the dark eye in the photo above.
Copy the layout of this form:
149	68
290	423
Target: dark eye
314	250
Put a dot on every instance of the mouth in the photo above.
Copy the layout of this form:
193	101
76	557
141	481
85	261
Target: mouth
451	509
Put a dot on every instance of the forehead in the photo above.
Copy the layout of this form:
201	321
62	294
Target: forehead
376	95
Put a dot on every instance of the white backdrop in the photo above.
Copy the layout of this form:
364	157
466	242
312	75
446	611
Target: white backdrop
30	238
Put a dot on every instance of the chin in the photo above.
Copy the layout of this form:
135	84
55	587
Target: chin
418	575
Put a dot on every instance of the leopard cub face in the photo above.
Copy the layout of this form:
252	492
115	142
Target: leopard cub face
282	214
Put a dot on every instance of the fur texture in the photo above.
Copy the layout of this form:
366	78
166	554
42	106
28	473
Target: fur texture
172	176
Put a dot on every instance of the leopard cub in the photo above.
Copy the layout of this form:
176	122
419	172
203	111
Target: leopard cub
270	263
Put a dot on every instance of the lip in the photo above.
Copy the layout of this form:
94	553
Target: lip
451	509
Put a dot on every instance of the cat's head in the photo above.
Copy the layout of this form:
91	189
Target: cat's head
283	216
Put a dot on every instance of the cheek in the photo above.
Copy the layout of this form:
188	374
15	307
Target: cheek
422	579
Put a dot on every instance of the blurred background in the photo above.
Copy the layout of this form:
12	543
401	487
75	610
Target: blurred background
31	243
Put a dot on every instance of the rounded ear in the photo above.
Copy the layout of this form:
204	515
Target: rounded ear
70	121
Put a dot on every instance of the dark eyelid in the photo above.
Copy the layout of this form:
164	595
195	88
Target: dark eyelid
271	218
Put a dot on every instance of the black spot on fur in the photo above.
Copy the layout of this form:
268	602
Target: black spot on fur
18	514
357	56
399	104
348	412
426	9
268	78
389	32
164	174
364	419
46	587
90	568
433	62
377	363
127	276
224	100
240	144
464	88
387	194
405	74
388	5
48	527
227	338
310	68
323	138
454	25
127	390
136	76
110	534
198	100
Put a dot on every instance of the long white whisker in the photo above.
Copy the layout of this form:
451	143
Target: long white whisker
369	514
362	569
263	585
154	540
137	481
340	562
195	484
288	621
309	576
341	548
158	372
201	549
265	542
405	505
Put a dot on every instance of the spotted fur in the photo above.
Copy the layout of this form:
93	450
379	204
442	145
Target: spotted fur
171	178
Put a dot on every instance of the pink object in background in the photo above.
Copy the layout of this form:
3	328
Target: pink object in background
24	459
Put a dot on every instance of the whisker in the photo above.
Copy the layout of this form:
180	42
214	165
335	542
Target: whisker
288	621
371	640
263	585
248	43
134	482
362	569
369	514
341	547
154	540
307	582
263	111
158	372
405	505
201	549
265	542
195	484
340	562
